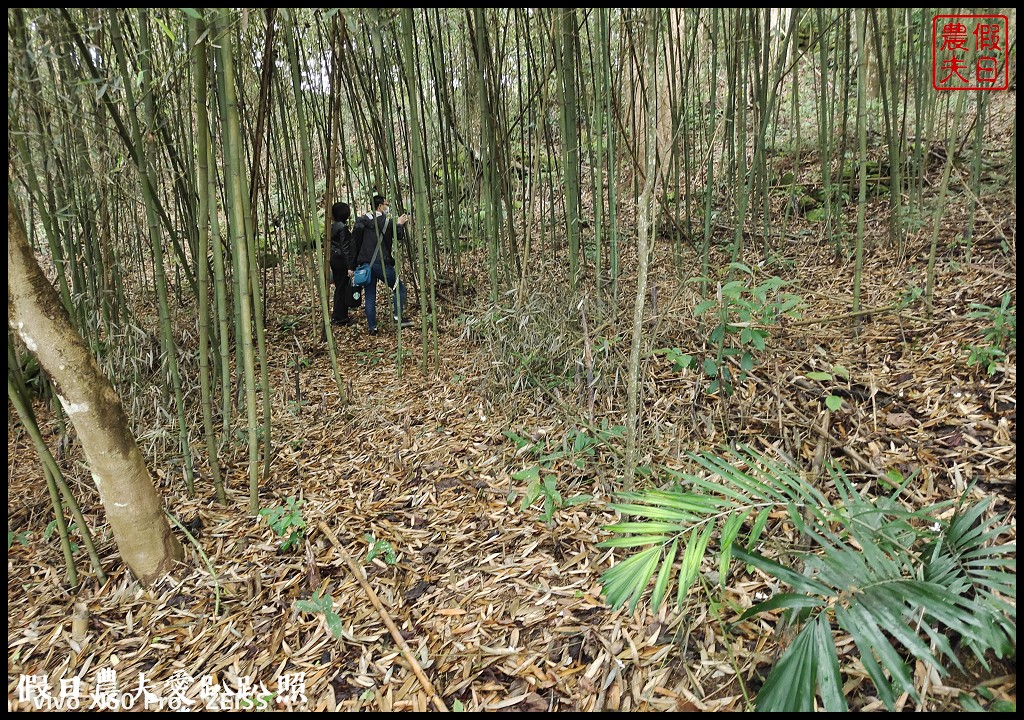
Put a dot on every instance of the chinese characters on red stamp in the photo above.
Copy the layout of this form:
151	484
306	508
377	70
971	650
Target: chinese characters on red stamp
969	52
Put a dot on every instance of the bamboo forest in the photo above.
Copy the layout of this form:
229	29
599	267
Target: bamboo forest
682	376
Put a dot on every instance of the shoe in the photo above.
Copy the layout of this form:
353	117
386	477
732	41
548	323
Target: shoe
406	323
341	323
372	331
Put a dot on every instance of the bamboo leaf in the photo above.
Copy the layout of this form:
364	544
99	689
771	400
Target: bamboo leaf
643	577
841	372
871	641
703	307
167	31
630	578
333	624
532	473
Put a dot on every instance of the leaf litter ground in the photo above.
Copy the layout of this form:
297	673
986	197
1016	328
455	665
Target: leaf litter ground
495	608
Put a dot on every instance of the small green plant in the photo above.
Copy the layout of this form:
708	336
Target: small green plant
381	548
370	357
289	323
832	401
584	446
999	335
910	296
741	315
680	360
295	407
286	522
17	537
546	487
985	356
300	362
536	488
578	447
321	603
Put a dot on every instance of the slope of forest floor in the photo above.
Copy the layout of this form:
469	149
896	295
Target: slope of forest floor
501	606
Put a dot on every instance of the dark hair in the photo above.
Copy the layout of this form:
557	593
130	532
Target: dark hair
378	200
340	211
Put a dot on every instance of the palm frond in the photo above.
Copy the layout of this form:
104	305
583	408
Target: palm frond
898	582
810	664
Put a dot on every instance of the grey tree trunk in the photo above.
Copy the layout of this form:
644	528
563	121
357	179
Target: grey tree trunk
130	499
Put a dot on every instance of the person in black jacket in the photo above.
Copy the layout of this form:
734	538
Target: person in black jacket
343	260
375	234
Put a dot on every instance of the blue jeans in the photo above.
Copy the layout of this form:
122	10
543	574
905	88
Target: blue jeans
389	277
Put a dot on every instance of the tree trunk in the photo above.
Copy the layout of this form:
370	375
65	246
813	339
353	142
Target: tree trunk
131	502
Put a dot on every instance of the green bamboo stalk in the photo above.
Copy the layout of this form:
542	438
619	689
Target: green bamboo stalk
862	136
824	126
257	300
744	176
199	69
565	63
308	204
144	152
478	28
940	206
419	183
981	100
28	422
895	139
646	230
613	240
844	95
451	221
231	139
709	187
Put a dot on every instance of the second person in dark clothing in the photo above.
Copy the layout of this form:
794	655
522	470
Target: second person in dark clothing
375	232
343	260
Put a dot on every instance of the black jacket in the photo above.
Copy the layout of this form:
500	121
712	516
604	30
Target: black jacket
342	244
366	235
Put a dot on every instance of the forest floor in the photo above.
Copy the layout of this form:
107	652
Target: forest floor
500	607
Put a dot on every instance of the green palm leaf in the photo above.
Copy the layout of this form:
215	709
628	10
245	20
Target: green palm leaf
629	578
900	584
809	664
